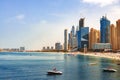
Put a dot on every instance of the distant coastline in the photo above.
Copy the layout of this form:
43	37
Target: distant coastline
110	55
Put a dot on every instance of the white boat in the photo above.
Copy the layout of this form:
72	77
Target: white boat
54	72
92	63
109	70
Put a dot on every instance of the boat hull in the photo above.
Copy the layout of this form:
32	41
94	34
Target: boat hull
54	73
109	70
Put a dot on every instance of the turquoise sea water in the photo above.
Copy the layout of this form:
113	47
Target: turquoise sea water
33	66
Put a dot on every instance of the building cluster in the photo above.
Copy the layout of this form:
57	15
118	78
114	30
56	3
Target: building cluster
107	38
114	37
82	38
58	47
21	49
78	38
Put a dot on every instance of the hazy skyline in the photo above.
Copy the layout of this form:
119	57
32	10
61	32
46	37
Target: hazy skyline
38	23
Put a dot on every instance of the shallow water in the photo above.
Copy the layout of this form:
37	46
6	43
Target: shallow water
33	66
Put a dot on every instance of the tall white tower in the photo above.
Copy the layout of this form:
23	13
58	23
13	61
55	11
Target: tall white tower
65	40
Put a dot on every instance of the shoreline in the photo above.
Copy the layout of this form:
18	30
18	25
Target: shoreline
114	56
109	55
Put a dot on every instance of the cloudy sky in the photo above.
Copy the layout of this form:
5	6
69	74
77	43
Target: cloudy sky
38	23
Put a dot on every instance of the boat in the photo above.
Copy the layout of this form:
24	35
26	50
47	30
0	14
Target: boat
118	63
109	70
92	63
54	72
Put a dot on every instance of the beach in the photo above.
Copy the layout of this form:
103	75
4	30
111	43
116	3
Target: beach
110	55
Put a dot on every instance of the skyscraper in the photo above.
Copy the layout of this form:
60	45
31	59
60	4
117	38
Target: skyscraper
104	30
65	40
81	22
94	37
69	41
118	33
73	31
72	39
79	39
113	37
58	46
82	35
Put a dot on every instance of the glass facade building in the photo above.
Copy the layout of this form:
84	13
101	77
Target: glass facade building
101	46
73	31
79	39
83	37
104	30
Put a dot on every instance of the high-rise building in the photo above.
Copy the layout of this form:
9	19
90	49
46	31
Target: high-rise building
58	46
72	40
118	33
65	40
69	41
43	48
113	37
73	31
52	48
94	37
22	49
104	30
83	37
78	39
81	22
48	48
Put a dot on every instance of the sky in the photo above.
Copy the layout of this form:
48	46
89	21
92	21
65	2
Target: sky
38	23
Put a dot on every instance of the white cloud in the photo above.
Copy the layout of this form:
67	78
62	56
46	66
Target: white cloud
43	22
20	17
101	3
114	14
16	19
115	10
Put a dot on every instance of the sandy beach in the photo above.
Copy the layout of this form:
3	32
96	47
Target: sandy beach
115	56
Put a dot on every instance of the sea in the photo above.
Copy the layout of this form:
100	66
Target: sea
34	66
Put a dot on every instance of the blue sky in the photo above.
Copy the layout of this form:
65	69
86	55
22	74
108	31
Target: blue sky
38	23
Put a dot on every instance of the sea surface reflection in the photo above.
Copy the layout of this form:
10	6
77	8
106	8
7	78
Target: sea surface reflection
33	66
